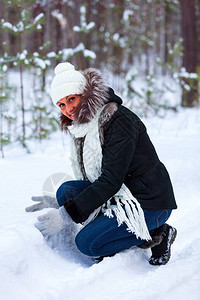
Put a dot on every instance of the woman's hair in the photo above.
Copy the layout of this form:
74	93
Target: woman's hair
64	122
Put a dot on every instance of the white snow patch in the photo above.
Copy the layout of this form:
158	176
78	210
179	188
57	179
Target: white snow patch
38	18
89	53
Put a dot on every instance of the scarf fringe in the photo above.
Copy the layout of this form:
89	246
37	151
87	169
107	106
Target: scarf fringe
126	211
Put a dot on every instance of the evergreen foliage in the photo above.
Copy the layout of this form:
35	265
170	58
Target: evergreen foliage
135	41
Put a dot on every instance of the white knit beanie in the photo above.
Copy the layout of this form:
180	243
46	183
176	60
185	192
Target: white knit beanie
67	81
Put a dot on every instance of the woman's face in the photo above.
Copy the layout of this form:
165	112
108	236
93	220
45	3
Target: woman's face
69	104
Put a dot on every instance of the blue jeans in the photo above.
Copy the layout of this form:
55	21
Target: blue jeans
102	236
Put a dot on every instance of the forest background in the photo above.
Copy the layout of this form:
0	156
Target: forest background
149	51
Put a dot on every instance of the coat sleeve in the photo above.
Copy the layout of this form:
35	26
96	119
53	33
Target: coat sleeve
120	138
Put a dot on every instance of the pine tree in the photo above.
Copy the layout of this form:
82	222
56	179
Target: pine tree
22	27
5	115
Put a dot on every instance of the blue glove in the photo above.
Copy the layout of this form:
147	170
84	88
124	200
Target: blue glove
53	222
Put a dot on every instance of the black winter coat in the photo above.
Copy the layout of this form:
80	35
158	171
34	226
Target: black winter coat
129	157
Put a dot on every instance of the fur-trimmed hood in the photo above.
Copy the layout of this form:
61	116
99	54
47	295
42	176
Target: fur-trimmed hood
95	95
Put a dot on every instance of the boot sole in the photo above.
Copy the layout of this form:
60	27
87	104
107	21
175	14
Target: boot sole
155	262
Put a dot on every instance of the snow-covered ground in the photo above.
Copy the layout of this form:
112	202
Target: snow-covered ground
31	268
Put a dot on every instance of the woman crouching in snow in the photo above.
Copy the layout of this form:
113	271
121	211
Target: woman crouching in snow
123	194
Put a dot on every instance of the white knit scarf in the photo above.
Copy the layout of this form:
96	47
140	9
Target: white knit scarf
127	209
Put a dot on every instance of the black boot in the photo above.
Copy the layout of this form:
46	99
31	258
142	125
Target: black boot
161	253
156	240
157	237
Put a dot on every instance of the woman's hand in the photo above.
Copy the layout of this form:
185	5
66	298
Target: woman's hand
53	222
43	202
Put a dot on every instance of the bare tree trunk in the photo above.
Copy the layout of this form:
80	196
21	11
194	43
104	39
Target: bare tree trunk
189	97
22	96
198	30
147	50
22	106
166	54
